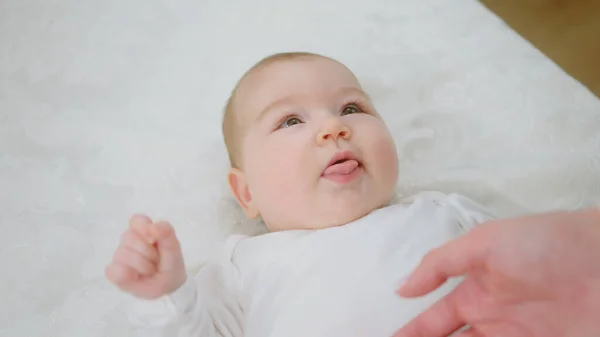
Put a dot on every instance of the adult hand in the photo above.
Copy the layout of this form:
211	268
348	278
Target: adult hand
537	276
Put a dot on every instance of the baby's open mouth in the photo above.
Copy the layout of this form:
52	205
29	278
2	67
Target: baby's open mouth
343	167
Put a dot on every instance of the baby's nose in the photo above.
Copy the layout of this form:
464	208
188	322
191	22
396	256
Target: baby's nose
332	130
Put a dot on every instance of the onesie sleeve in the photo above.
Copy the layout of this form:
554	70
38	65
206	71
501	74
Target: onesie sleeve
207	305
468	213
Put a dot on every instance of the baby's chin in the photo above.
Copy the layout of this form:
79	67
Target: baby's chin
349	213
332	216
350	217
343	217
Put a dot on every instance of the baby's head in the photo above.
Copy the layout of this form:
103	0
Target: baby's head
307	148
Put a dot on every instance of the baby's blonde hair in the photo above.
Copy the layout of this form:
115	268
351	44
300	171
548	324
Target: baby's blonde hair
231	132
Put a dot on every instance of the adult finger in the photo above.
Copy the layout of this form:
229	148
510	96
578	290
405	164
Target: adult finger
453	259
439	320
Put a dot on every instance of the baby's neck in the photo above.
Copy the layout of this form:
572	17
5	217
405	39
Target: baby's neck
273	229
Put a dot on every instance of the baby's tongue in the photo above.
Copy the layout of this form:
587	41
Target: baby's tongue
342	168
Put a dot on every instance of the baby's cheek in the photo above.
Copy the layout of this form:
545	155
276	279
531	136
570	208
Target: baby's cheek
384	153
277	176
279	194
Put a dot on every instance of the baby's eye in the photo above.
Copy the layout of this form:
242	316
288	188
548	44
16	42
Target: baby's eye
351	109
290	121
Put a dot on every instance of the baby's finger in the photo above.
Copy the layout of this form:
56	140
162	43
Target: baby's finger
120	275
133	241
168	247
164	234
139	223
134	260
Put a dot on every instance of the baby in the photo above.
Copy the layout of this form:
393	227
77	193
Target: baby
313	159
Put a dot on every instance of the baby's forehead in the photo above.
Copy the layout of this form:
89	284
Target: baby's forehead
302	78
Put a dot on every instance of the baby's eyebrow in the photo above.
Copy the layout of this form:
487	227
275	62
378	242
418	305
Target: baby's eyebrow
286	100
272	106
353	90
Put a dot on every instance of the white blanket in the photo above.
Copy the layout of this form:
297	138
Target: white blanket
114	107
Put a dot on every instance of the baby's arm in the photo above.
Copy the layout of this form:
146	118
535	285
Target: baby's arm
149	265
203	307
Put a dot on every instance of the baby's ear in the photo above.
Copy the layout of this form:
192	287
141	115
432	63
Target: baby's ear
239	187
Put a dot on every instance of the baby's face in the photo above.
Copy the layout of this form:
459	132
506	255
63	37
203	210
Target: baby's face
298	117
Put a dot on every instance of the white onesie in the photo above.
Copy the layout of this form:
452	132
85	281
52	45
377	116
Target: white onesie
335	282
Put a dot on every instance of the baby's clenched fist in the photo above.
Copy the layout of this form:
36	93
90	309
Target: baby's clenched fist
148	262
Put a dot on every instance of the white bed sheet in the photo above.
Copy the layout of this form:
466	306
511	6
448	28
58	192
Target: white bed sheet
114	107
